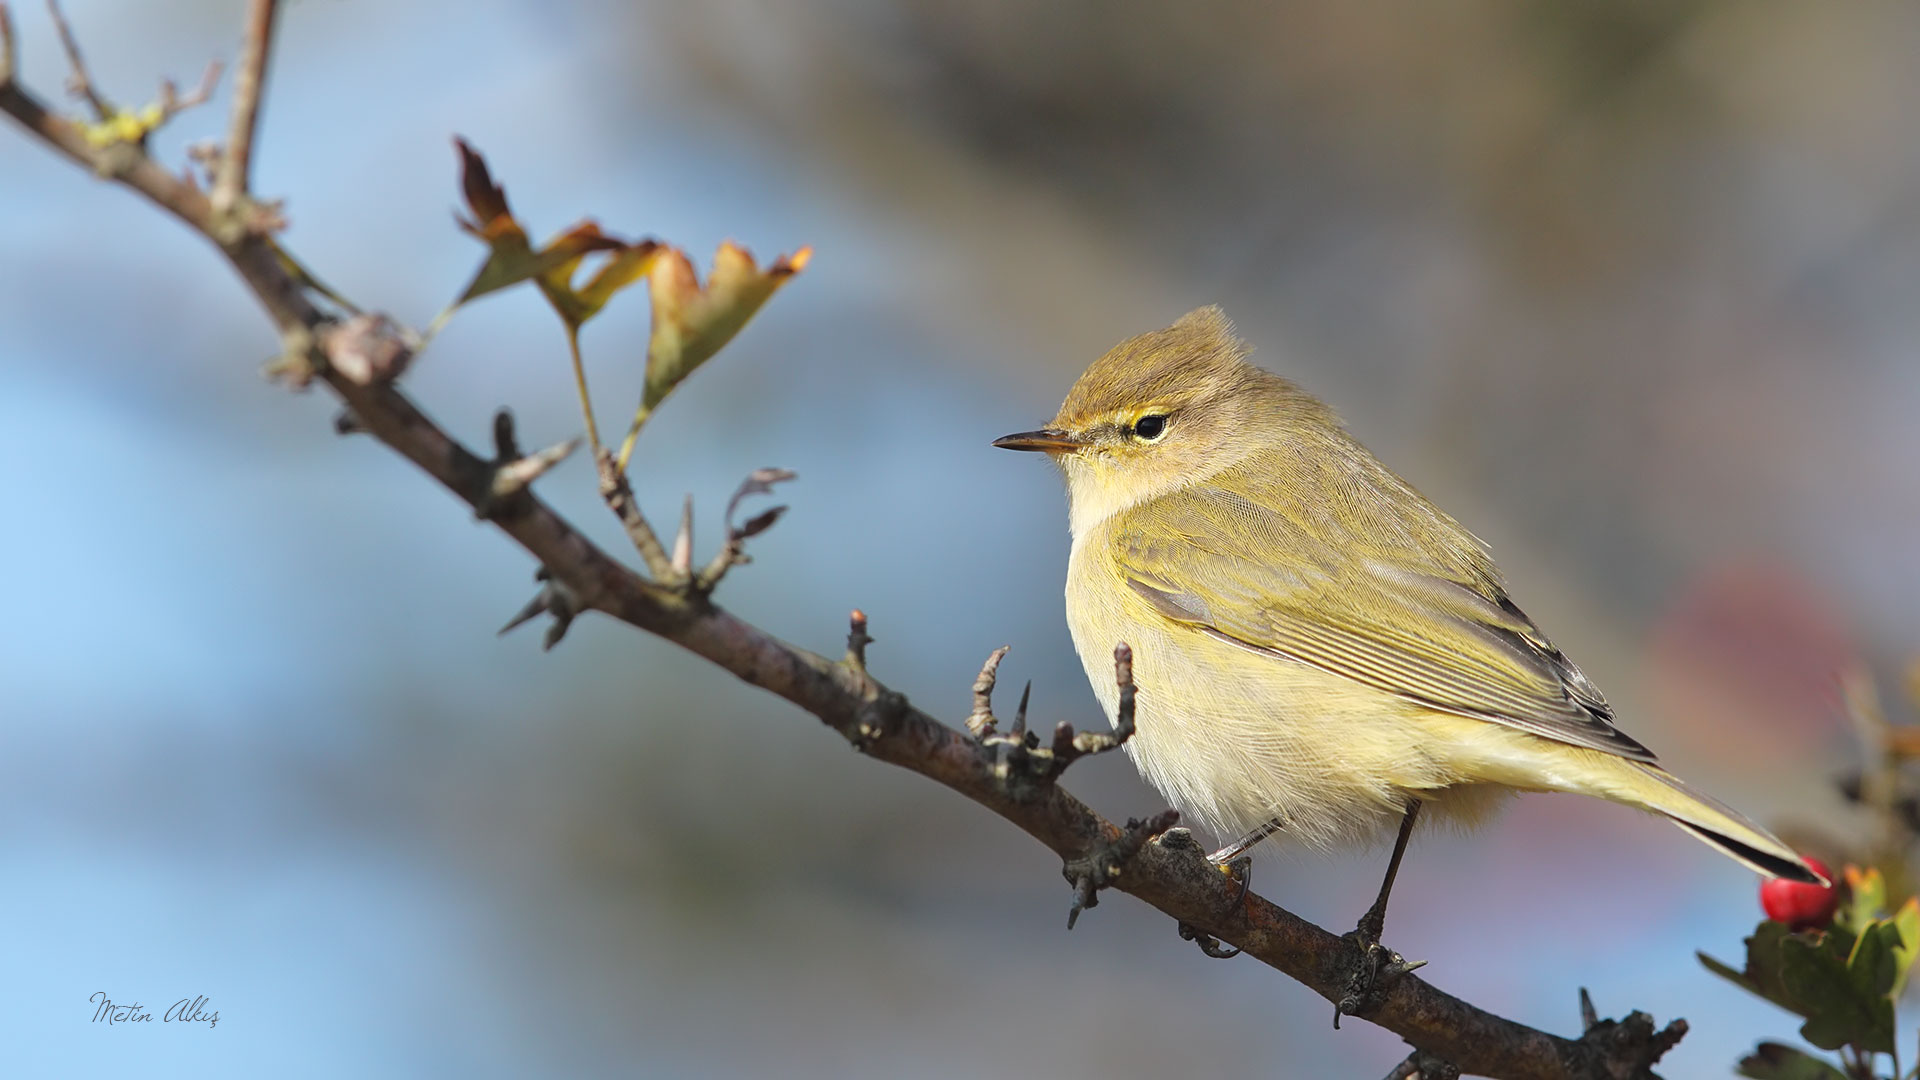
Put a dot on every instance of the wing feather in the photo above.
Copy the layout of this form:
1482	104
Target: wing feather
1431	623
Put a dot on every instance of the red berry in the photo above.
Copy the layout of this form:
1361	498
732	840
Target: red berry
1798	904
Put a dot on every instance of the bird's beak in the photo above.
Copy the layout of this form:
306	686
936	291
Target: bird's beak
1050	440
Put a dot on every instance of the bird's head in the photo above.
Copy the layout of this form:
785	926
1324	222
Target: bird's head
1164	409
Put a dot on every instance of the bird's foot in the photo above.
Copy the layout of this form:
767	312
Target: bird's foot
1371	969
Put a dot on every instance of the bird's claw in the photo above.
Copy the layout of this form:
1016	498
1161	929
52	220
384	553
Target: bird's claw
1374	968
1209	944
1241	871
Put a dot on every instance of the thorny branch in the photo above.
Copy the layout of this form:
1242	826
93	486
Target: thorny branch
618	494
1163	868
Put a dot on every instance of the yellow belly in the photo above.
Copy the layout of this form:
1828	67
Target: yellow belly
1234	739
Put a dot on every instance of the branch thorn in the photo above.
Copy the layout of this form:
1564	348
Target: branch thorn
683	541
554	598
513	472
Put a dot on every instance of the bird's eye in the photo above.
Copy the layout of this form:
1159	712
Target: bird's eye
1149	428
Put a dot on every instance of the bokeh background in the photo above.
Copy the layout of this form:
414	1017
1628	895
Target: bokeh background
1629	287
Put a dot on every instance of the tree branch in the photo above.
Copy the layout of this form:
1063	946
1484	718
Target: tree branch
1166	870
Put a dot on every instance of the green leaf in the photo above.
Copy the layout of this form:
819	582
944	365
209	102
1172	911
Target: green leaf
1762	973
1874	962
1842	986
1907	921
1774	1061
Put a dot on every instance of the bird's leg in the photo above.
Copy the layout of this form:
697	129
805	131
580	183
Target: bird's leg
1234	861
1235	850
1374	922
1376	963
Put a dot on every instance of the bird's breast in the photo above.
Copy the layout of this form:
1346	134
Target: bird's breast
1235	738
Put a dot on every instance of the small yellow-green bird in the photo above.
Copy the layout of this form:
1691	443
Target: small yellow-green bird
1319	650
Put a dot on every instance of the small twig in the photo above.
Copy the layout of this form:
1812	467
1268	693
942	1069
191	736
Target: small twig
172	104
618	495
579	374
857	642
232	185
1629	1047
1069	747
981	721
734	552
1101	866
79	84
9	50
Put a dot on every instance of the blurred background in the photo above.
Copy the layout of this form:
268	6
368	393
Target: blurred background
1628	287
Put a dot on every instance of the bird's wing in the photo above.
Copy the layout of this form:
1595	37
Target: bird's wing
1430	622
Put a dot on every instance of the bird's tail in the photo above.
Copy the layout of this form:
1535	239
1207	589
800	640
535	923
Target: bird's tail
1491	754
1717	823
1651	788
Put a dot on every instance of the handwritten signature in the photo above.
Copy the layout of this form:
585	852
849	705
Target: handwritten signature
185	1010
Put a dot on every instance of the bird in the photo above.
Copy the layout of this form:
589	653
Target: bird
1319	650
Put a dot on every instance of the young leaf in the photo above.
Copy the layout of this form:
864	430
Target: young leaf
691	322
622	268
1774	1061
1873	962
1867	897
1842	986
511	256
1907	921
1762	975
512	259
